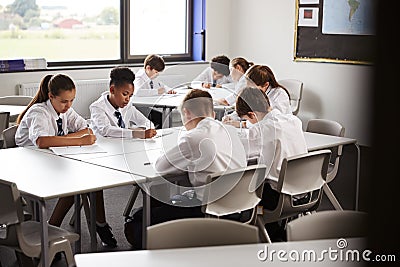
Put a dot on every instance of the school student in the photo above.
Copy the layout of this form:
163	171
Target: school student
207	146
263	78
147	82
215	75
238	67
113	114
273	136
49	121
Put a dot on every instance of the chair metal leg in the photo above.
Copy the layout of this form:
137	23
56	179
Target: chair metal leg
131	201
264	237
332	198
85	205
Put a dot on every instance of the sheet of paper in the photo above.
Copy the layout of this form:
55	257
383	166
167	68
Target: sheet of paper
75	150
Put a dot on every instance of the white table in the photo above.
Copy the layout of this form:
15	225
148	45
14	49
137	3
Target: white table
169	102
237	255
43	176
137	163
13	109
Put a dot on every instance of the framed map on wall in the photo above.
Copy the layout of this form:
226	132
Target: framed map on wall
338	31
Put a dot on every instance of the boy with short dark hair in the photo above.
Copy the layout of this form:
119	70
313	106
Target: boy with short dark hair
146	82
216	75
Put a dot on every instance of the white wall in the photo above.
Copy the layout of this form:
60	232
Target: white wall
263	31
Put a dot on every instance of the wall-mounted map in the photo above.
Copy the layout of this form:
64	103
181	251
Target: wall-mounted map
348	17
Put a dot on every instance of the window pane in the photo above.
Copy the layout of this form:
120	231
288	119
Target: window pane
158	27
60	30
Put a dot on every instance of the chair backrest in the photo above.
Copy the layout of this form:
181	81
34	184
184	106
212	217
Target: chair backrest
4	123
329	127
17	100
9	136
200	232
295	89
328	225
11	214
234	191
300	184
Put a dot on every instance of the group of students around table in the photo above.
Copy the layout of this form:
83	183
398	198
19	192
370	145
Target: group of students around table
207	146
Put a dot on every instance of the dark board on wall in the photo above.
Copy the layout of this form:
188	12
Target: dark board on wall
311	44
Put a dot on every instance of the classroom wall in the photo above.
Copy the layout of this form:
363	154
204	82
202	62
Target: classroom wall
263	31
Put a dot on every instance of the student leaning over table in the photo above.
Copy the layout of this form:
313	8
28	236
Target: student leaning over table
215	75
238	67
272	137
113	114
263	78
49	121
206	147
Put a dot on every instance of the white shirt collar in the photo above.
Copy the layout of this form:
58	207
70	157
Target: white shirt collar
52	111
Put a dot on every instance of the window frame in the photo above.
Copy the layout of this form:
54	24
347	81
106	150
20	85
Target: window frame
125	57
170	57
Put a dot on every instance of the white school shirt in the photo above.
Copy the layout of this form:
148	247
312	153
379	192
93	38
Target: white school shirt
239	85
210	147
40	120
274	138
279	99
105	123
206	76
143	87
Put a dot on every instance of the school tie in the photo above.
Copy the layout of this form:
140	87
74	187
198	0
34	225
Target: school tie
60	130
120	120
214	83
151	84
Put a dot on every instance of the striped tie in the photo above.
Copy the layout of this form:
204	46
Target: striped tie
60	130
120	120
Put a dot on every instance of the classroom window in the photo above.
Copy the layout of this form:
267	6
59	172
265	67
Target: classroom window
93	32
158	26
60	30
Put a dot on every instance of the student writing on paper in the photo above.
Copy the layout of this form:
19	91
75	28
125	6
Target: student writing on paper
208	146
114	115
262	77
49	121
273	136
215	75
147	82
238	67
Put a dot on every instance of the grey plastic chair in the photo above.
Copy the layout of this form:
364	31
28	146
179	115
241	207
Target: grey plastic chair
231	192
9	136
328	224
24	236
199	232
300	184
295	89
4	123
17	100
329	127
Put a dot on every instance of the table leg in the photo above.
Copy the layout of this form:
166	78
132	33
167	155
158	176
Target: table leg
166	117
93	237
358	174
77	199
146	216
44	233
